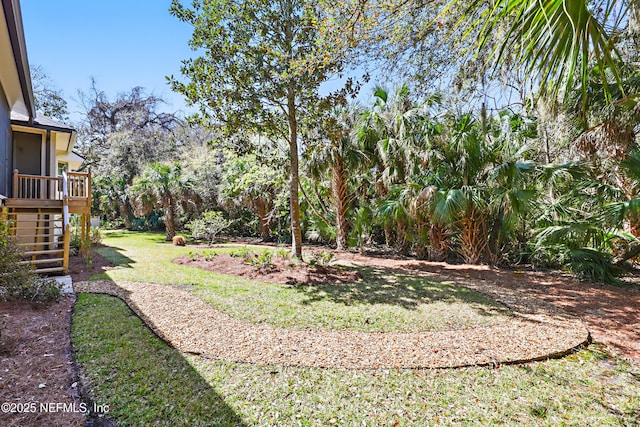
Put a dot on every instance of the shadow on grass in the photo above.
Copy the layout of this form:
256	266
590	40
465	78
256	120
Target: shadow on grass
116	256
142	379
387	286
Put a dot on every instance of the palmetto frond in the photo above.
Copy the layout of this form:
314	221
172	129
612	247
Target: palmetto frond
577	235
631	167
617	213
556	40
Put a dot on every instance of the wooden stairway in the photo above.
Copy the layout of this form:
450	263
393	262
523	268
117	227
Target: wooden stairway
39	231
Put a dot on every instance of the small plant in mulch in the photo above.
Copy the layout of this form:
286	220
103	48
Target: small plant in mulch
209	255
205	255
283	253
321	258
243	252
262	261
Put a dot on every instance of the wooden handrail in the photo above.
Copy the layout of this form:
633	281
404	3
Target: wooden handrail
51	188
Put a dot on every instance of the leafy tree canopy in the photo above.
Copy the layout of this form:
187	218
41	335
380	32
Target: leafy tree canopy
260	71
49	101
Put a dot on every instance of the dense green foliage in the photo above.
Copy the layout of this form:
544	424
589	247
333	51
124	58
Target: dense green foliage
549	179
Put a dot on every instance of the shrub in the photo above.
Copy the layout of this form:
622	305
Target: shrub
95	236
17	281
209	226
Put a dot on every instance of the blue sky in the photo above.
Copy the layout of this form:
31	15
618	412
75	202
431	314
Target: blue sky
121	43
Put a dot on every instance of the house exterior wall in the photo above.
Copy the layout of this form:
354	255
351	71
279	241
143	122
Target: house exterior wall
6	148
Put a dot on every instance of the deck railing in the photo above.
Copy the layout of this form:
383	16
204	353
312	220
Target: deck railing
38	187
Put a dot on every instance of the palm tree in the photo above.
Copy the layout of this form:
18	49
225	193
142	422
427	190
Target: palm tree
555	40
340	155
476	188
111	191
394	135
162	185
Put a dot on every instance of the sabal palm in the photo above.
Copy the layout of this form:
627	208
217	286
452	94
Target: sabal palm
161	185
340	154
556	40
396	122
112	192
396	135
477	190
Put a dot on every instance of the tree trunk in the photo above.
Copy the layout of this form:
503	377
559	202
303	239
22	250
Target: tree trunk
438	243
169	219
632	252
339	188
125	214
402	243
389	239
473	236
263	215
294	178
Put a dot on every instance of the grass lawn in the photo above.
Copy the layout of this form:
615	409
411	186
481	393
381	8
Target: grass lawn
146	382
381	302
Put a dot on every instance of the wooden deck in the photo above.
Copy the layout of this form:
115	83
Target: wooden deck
39	212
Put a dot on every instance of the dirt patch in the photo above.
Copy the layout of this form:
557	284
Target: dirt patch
282	270
36	366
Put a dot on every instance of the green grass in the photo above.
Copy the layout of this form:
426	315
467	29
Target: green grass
140	378
145	382
381	302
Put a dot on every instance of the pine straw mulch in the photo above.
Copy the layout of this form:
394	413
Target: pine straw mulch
35	349
36	365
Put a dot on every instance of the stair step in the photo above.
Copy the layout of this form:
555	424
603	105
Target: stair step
37	235
34	228
37	243
49	270
42	261
42	252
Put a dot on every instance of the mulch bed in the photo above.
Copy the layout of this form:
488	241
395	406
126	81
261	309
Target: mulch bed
79	270
611	313
189	324
282	270
35	349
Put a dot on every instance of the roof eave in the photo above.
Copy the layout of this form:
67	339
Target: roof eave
13	18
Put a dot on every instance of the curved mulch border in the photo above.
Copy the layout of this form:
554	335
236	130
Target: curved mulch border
536	332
